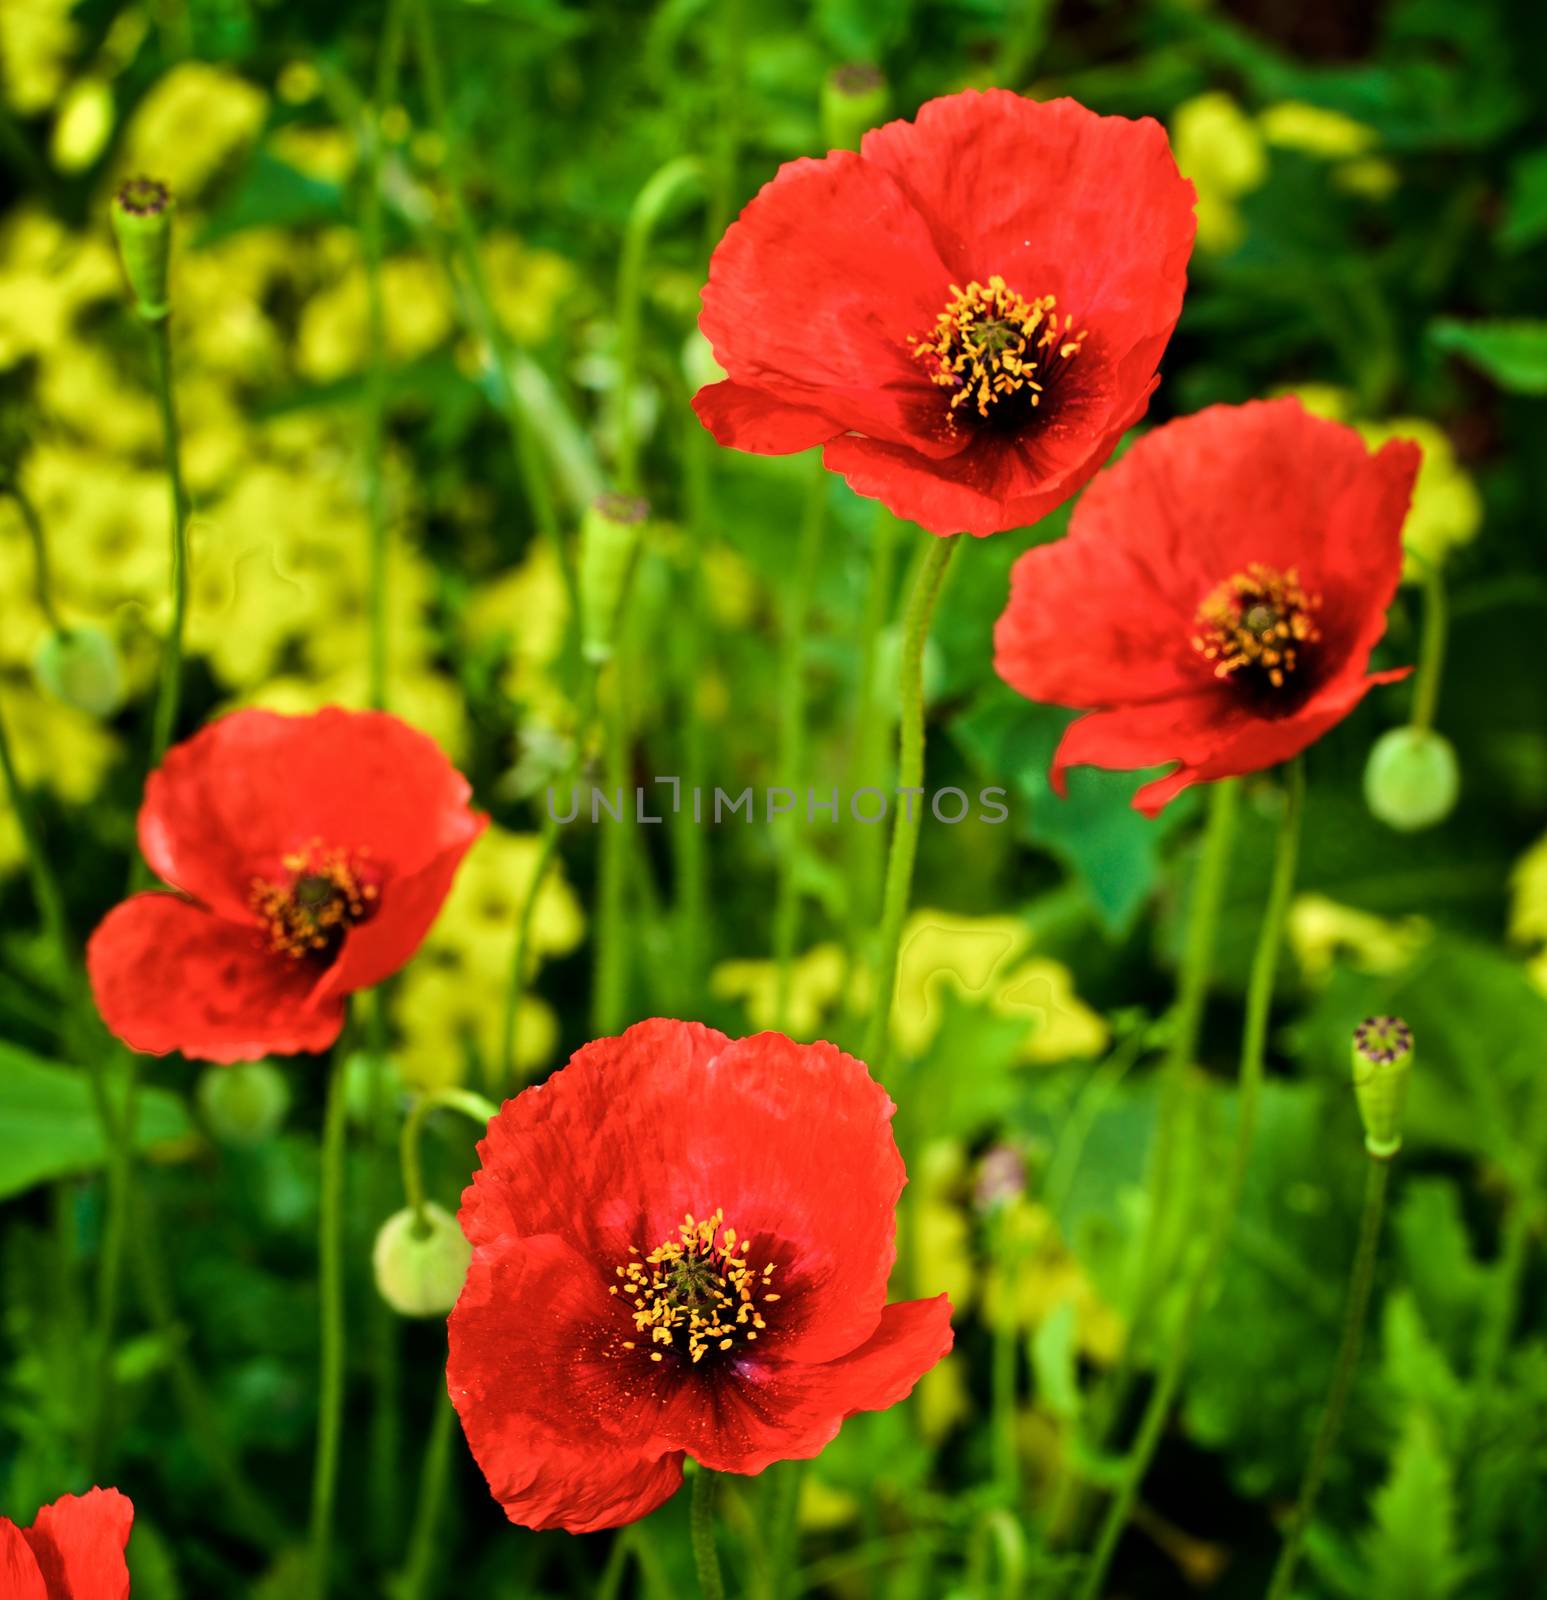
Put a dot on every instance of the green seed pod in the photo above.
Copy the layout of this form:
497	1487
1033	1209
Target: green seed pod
81	669
142	221
1411	779
420	1264
854	100
243	1104
609	538
1382	1057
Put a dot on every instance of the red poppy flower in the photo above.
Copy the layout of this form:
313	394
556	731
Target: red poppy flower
680	1247
74	1550
968	313
1218	596
312	854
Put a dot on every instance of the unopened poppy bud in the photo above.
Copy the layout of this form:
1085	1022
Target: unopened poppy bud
609	538
420	1261
854	100
81	668
1383	1056
142	222
243	1104
1411	779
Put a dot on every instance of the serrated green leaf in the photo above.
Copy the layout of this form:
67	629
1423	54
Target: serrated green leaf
1411	1548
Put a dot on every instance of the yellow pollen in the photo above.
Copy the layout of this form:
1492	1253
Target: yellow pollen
696	1289
309	914
1256	622
990	343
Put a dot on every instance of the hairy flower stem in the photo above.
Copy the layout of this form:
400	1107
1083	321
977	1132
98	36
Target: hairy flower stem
434	1477
910	775
330	1285
487	326
792	730
1156	1245
706	1557
169	692
1431	653
1359	1284
1259	1000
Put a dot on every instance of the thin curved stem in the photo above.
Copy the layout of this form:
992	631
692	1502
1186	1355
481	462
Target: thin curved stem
910	775
472	1106
1259	1001
330	1275
1431	651
792	730
706	1556
43	585
169	693
1360	1282
609	994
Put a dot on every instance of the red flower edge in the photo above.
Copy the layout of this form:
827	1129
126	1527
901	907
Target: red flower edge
1224	550
578	1419
74	1550
338	833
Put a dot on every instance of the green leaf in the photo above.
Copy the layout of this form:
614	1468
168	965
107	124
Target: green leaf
1055	1359
1411	1549
49	1127
1525	221
1513	354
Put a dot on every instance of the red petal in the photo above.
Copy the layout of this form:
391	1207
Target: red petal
19	1575
1055	200
168	975
814	293
792	1141
748	419
230	803
544	1390
79	1542
789	1411
376	948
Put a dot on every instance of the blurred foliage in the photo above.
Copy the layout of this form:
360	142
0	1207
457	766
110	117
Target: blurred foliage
1373	234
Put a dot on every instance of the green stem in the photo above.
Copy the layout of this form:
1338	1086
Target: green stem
661	192
45	886
330	1284
170	691
1259	1000
910	775
43	585
1005	1359
1360	1282
1156	1252
784	1526
730	70
487	326
1431	653
425	1553
388	59
706	1558
792	730
609	996
472	1106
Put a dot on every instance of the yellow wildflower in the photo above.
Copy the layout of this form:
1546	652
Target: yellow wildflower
1219	147
196	120
1322	933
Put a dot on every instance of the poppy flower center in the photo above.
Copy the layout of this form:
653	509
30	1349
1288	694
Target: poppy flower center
996	352
1255	625
695	1293
324	896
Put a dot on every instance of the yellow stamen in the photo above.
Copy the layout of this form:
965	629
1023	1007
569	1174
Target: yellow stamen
325	895
990	343
695	1285
1256	621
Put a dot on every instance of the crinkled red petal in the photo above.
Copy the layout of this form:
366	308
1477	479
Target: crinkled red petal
78	1543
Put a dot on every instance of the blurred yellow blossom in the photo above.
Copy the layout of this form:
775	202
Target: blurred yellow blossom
1528	908
328	154
1045	1275
1220	148
816	985
194	121
334	331
526	285
37	40
82	125
54	745
980	960
1316	131
47	276
452	1031
530	608
1322	932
